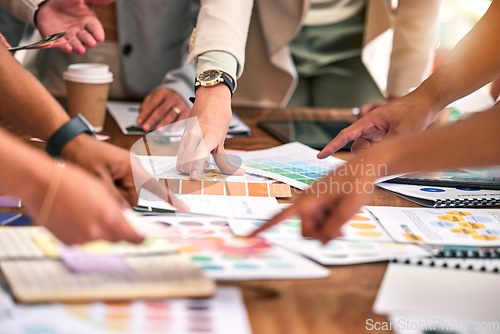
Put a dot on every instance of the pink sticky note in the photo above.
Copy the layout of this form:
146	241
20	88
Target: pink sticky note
79	261
98	137
10	202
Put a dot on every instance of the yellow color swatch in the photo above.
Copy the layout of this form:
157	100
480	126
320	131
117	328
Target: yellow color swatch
363	226
463	230
413	237
485	237
370	234
458	213
450	218
471	225
48	245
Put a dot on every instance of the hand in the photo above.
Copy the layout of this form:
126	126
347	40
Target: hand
4	42
205	133
373	105
121	173
77	18
82	210
159	109
402	116
330	202
109	163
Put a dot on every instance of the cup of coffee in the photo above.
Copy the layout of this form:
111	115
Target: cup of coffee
87	87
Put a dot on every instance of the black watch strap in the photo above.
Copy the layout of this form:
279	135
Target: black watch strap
67	132
226	81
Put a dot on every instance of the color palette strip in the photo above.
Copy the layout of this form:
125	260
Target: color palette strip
224	188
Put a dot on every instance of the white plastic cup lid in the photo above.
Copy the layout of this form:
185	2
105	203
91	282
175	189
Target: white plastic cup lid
88	73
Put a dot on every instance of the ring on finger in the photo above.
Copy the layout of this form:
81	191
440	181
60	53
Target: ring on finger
176	110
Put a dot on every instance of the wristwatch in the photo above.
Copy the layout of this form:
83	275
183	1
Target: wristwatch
210	78
68	131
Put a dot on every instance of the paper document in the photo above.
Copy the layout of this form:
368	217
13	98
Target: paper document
125	114
223	314
454	226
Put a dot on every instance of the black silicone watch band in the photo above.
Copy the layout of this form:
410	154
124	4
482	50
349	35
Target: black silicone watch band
67	132
227	82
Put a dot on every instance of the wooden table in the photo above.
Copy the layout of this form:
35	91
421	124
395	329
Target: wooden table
340	303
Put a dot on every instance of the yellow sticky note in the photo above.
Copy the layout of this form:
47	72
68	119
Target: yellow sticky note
97	247
48	245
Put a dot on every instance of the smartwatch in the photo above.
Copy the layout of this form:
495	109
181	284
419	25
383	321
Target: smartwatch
68	131
211	78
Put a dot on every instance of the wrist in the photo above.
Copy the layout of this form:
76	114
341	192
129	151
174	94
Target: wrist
76	147
66	133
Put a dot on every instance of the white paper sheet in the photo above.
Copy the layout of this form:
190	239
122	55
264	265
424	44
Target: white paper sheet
453	226
223	314
125	115
361	227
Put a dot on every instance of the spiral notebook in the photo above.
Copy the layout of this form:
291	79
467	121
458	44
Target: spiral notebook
444	197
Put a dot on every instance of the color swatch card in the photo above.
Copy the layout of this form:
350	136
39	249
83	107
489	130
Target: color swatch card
226	188
209	243
222	314
344	252
363	226
125	114
214	193
462	227
295	164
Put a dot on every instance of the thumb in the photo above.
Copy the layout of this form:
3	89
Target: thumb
225	165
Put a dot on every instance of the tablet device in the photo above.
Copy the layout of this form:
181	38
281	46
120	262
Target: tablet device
311	133
487	178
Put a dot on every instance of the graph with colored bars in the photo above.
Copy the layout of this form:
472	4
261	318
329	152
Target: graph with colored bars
299	174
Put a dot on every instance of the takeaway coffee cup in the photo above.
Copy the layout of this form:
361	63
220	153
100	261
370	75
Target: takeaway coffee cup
87	87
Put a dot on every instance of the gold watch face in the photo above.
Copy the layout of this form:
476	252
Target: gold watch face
209	76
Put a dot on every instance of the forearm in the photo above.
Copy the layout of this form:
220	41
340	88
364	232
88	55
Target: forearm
474	142
470	65
222	25
24	10
25	102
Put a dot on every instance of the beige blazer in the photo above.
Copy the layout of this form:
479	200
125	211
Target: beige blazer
269	78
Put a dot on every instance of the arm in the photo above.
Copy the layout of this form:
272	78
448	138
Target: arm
174	92
222	25
471	64
91	217
26	104
323	208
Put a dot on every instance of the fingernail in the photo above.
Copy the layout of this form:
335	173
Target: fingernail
194	174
